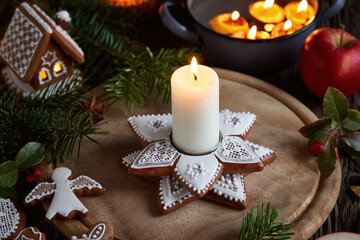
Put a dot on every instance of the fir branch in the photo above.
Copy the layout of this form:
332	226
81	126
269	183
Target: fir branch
263	226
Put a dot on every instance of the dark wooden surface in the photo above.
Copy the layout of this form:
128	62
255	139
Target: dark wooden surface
345	215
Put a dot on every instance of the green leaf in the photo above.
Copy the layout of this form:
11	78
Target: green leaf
8	193
30	155
335	105
352	140
8	174
311	128
352	120
350	150
327	158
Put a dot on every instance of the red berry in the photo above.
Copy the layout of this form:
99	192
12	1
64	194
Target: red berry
316	147
36	173
30	178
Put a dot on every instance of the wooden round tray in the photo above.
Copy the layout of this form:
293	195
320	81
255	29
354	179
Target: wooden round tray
292	183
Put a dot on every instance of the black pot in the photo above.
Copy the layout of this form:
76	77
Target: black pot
248	56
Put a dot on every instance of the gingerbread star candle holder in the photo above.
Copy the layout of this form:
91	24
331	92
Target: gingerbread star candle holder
182	177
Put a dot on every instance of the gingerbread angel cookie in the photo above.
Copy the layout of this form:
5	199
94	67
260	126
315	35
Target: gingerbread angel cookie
12	220
99	231
65	203
30	233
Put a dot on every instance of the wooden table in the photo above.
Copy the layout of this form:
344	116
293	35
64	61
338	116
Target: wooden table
345	216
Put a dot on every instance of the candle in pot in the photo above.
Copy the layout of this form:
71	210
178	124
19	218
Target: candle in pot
300	12
285	28
228	23
195	108
267	11
255	34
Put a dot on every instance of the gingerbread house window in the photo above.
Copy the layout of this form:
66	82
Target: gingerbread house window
44	76
59	68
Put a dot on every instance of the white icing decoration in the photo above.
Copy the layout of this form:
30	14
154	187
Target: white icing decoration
9	218
156	154
235	150
14	83
37	233
64	200
194	170
235	123
20	43
49	58
140	126
261	151
156	124
203	182
61	31
31	11
230	186
172	192
129	159
63	15
96	233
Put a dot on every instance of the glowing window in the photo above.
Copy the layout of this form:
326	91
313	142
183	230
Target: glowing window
43	75
59	68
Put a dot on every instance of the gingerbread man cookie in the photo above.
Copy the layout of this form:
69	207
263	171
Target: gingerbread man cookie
99	231
65	203
12	220
30	233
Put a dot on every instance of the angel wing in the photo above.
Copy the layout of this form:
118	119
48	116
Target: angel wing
41	191
85	183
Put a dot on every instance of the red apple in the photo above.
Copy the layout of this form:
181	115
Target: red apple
341	236
330	57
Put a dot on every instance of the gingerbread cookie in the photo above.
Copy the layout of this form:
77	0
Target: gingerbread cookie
12	220
37	52
64	191
184	178
196	173
99	231
30	233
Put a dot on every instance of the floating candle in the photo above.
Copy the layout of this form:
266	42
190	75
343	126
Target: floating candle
228	23
195	108
267	11
285	28
255	34
300	12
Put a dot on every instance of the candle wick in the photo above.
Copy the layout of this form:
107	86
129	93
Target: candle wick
195	76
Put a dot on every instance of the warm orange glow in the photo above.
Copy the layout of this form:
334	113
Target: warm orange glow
235	15
269	27
194	67
57	67
268	4
310	20
43	75
303	5
252	33
287	25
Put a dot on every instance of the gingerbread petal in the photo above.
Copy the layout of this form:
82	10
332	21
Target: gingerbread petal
30	233
236	123
198	173
99	231
237	156
151	128
129	159
155	160
229	190
265	154
172	195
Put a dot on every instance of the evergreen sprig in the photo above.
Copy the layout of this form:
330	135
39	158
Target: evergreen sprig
264	225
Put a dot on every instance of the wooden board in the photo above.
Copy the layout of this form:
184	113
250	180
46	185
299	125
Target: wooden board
290	183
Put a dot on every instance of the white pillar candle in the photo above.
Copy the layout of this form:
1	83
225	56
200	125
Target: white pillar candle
195	109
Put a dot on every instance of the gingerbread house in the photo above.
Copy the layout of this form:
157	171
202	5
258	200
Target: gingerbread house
36	51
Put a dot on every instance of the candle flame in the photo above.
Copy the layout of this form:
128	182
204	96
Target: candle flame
235	15
194	68
268	4
269	27
252	33
287	25
303	5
